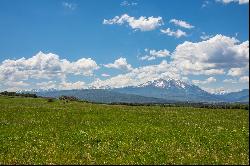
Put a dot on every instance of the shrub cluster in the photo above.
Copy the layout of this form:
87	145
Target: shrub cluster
50	99
68	98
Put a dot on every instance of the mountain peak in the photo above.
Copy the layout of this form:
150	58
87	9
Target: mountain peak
165	83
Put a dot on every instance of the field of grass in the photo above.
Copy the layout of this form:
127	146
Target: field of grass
35	131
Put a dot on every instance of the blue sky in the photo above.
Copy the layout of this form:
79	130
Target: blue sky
69	32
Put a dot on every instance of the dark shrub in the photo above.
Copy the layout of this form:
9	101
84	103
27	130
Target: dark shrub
50	99
68	98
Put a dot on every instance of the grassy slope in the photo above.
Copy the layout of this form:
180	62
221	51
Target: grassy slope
33	131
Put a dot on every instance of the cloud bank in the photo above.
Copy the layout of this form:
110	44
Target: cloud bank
218	55
44	66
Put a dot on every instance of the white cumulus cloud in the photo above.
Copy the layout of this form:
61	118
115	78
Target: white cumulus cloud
120	63
47	85
71	6
207	81
178	33
181	23
142	23
128	4
153	54
45	66
235	71
213	56
72	85
64	85
244	79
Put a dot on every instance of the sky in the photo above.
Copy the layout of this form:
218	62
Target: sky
74	44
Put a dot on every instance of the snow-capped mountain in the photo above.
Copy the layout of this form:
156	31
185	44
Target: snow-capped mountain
168	83
170	89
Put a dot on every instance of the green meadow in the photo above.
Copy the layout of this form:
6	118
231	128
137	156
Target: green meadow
35	131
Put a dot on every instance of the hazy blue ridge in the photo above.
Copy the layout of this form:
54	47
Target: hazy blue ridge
157	91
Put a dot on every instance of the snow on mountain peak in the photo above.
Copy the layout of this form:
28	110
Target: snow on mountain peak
162	83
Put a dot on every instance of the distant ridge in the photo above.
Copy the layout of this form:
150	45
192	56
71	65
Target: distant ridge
103	96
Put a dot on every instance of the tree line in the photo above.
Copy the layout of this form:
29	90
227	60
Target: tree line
6	93
195	105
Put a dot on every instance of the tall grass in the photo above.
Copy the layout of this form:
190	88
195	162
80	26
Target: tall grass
35	131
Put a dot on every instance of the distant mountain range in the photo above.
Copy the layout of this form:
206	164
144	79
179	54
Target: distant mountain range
156	91
102	96
241	96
